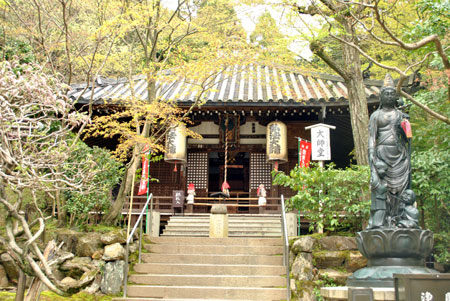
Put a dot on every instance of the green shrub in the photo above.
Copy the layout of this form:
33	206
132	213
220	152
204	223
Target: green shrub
330	198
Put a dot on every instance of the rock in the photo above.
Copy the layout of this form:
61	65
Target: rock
95	285
304	244
57	273
338	243
3	277
338	277
305	291
112	237
63	256
69	282
329	259
355	261
98	254
113	277
88	244
87	278
70	239
114	252
10	267
78	265
133	247
302	268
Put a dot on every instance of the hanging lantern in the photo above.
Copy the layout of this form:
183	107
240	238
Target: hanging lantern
176	145
276	143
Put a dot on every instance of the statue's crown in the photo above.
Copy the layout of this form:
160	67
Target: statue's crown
388	82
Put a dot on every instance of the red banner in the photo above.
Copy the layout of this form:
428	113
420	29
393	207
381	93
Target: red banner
144	177
304	153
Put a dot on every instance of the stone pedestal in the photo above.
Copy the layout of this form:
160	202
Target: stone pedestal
218	221
291	223
156	221
391	251
341	293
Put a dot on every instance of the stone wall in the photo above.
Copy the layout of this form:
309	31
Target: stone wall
91	262
318	260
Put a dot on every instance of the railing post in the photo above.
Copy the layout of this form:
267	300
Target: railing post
139	223
285	248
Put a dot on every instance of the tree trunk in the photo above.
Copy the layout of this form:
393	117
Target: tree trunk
359	114
62	213
20	294
125	187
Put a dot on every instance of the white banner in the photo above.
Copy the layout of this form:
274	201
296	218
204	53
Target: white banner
320	139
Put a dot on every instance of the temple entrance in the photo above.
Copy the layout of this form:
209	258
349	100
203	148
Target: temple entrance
238	172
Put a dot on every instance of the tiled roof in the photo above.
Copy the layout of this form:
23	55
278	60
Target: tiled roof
248	84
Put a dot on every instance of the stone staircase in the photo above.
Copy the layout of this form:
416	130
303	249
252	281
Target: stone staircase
197	268
239	225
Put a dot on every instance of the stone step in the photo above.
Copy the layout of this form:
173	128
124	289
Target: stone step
212	259
230	218
232	233
206	234
217	241
262	227
200	292
160	299
213	249
209	280
230	223
208	269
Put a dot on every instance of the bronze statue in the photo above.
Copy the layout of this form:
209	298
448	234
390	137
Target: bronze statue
393	242
389	159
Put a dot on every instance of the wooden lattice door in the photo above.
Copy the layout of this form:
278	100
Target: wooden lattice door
197	172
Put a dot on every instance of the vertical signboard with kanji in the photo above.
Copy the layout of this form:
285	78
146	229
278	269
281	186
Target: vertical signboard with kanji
320	139
320	142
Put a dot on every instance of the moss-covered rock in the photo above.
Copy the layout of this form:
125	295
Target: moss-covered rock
338	243
329	259
355	261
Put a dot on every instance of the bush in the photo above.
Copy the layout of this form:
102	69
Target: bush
330	198
108	173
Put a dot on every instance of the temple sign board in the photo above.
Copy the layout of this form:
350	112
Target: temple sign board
320	141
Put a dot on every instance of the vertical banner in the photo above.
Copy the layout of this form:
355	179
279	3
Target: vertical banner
144	177
304	153
320	139
143	186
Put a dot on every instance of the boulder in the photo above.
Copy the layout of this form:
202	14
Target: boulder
95	285
10	266
113	277
329	259
113	252
338	243
355	261
77	265
98	254
113	237
302	268
3	277
304	244
338	277
88	244
70	239
87	278
63	256
69	283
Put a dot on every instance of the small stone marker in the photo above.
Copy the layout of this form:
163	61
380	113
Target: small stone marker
218	221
